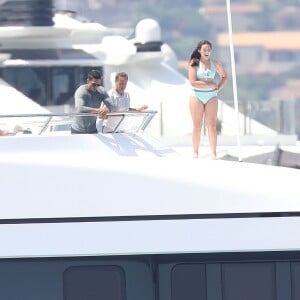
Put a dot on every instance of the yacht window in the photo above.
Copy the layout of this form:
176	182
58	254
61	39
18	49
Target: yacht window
188	281
29	81
47	85
94	283
248	281
295	274
62	85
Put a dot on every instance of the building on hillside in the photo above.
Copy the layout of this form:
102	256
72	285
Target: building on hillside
290	91
262	52
274	53
242	15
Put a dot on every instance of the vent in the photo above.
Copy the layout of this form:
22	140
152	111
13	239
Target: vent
26	13
148	47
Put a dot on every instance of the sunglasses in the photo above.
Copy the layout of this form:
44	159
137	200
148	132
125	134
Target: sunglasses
95	84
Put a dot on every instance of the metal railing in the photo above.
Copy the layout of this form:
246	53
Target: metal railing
129	121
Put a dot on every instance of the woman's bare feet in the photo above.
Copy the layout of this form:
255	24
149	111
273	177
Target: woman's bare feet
195	155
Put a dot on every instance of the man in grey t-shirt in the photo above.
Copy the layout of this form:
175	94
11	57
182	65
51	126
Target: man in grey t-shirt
88	99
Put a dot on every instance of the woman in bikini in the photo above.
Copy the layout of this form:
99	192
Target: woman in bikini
204	97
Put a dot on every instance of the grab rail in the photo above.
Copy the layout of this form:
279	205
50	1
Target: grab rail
114	122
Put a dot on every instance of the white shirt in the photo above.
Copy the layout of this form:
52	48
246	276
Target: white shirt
119	102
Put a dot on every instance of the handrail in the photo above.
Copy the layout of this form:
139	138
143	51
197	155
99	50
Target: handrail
117	126
76	114
114	121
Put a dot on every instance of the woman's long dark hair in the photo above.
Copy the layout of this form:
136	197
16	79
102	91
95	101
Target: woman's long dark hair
195	56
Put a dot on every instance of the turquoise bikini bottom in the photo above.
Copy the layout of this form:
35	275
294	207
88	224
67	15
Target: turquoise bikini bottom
204	95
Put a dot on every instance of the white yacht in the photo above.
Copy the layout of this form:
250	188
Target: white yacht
118	216
115	215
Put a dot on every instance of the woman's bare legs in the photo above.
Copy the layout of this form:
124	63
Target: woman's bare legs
211	110
197	112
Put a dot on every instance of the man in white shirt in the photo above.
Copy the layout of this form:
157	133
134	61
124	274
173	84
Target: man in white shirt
119	98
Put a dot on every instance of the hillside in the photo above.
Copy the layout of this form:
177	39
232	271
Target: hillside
183	23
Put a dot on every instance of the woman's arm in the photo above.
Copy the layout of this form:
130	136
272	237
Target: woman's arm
222	73
192	76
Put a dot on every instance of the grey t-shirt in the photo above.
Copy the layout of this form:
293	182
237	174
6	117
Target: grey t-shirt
85	100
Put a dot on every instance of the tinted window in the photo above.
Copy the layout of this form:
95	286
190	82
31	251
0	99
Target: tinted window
295	268
188	282
54	85
248	281
94	283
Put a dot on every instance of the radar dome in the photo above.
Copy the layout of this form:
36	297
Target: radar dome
147	30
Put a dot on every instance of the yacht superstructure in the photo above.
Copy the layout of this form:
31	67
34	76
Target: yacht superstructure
47	58
118	216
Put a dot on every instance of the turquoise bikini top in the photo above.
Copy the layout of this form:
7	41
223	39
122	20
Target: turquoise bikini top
208	74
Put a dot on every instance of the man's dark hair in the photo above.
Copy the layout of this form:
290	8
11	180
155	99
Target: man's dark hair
94	74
